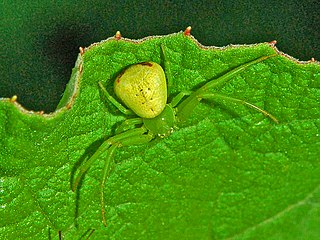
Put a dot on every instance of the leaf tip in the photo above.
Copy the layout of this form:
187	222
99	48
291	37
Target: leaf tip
14	98
118	35
81	50
273	43
187	31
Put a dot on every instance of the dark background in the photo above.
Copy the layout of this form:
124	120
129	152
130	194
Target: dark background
39	42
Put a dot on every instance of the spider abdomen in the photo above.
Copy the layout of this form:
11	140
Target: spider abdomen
142	88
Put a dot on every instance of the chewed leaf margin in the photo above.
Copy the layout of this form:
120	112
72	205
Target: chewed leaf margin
73	86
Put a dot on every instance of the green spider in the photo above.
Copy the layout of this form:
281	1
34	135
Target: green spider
142	88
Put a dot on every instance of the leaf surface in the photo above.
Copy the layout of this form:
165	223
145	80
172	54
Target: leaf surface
226	173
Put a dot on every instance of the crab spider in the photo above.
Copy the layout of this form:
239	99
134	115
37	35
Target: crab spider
142	88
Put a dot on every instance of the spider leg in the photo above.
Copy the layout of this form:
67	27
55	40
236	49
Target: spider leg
127	124
239	101
166	65
130	140
185	108
104	147
219	82
106	170
131	137
115	102
175	101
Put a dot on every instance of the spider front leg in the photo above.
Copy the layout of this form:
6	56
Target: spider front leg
132	140
185	108
121	133
239	101
115	102
131	137
175	101
127	124
104	147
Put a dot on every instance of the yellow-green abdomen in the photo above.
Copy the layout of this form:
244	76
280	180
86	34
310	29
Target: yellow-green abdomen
142	88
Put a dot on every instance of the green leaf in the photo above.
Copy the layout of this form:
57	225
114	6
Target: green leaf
227	173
